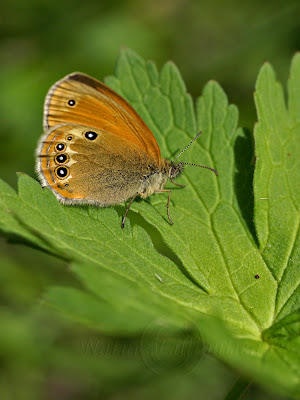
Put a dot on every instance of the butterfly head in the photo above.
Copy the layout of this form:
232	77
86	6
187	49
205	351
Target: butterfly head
175	170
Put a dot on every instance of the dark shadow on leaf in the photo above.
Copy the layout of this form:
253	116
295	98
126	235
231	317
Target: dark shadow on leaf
158	242
243	180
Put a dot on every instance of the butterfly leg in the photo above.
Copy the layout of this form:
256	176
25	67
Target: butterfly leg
175	183
168	203
127	209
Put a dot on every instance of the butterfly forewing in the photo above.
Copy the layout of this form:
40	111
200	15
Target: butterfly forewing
80	99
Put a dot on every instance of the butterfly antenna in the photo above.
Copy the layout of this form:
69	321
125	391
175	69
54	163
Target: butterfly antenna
195	138
202	166
195	165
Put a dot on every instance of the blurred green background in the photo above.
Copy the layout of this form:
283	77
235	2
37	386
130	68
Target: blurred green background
41	354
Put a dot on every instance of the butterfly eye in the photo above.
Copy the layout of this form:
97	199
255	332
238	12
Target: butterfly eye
60	147
62	172
71	102
90	135
61	158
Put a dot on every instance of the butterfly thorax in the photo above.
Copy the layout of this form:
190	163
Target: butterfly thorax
158	178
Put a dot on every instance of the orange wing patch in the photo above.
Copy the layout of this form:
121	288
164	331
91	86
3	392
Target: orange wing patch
80	99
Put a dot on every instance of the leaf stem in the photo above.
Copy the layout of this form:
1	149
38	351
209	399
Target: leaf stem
238	389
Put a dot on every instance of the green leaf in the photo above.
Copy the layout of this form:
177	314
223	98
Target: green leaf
229	265
276	185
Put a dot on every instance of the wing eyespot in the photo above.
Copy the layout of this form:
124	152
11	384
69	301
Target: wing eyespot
90	135
60	147
61	158
62	172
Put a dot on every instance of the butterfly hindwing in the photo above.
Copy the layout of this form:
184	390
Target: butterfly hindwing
85	165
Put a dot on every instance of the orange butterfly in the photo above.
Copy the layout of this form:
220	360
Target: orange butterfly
96	148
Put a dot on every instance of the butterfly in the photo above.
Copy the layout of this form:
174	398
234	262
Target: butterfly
96	149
